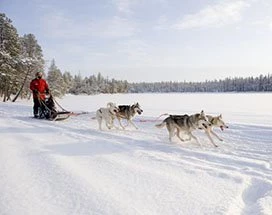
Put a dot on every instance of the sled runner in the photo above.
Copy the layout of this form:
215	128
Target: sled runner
47	110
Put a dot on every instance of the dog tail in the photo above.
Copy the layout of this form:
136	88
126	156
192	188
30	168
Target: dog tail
161	125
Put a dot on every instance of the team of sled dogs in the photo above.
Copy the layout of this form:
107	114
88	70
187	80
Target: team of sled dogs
175	124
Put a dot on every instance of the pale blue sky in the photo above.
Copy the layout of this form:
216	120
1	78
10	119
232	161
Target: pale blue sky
150	40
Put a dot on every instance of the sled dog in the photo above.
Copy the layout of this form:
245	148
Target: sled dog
128	112
187	124
216	121
107	114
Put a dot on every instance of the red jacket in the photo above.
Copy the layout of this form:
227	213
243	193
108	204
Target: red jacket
40	85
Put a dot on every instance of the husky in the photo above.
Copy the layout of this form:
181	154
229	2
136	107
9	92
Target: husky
187	124
107	114
216	121
128	112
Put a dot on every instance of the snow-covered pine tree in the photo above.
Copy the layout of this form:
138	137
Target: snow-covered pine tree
9	56
55	80
31	61
77	83
68	80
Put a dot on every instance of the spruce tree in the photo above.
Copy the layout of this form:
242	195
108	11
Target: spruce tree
31	61
9	54
55	80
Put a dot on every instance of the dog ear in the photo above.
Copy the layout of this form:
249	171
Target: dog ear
220	116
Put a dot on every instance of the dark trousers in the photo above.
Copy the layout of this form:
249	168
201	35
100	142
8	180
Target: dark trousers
38	104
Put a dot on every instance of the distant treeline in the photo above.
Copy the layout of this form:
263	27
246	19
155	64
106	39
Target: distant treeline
263	83
95	84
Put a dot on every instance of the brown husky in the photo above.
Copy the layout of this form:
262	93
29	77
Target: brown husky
128	112
186	124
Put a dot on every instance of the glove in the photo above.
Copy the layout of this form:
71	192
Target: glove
35	91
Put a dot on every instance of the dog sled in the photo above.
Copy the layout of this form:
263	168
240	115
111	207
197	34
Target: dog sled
48	110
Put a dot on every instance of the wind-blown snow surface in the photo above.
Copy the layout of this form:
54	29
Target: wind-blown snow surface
70	167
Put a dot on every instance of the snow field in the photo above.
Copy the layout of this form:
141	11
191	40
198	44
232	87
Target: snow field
70	167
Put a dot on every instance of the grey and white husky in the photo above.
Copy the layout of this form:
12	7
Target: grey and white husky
107	114
186	124
216	121
128	112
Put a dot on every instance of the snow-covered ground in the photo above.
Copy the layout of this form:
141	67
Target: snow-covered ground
70	167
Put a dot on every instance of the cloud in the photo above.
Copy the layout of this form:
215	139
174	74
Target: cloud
134	50
161	23
58	25
127	7
116	27
123	6
220	14
264	23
